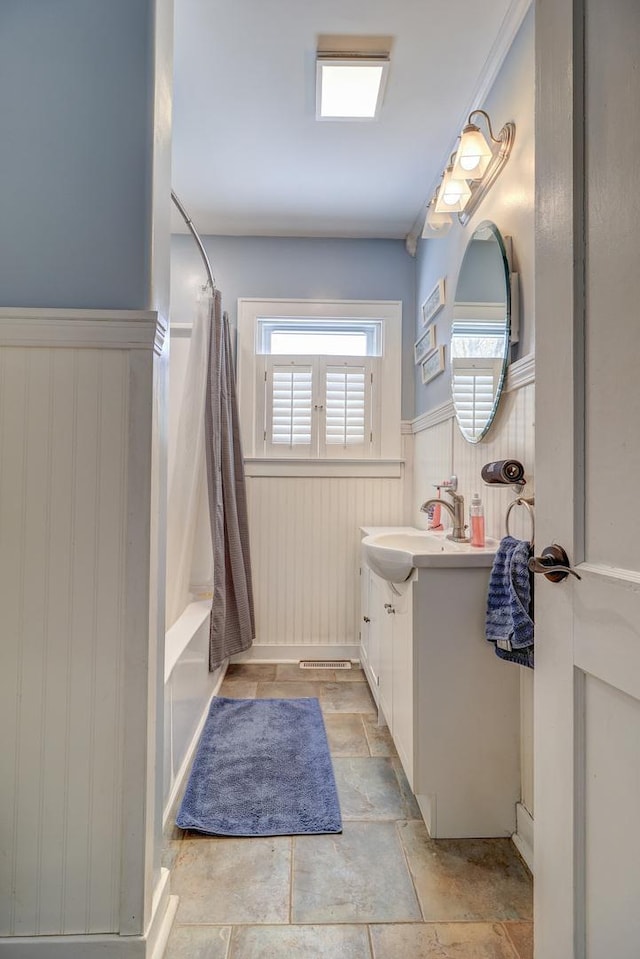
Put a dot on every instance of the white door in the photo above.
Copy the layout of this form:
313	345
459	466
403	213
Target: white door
587	677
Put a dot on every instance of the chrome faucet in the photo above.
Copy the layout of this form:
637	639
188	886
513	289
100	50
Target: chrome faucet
455	509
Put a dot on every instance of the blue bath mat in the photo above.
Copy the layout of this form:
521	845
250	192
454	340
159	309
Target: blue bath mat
262	768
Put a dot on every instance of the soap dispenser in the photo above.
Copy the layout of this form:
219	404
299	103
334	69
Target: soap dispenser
476	520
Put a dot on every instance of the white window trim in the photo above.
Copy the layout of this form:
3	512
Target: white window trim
251	372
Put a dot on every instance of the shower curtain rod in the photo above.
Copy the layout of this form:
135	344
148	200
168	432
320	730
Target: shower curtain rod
196	236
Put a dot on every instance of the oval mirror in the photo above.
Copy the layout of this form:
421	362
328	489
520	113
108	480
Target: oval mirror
480	332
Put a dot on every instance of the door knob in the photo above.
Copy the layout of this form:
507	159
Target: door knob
553	563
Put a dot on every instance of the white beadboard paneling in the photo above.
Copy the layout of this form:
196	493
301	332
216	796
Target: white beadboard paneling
80	500
433	463
512	437
305	553
62	515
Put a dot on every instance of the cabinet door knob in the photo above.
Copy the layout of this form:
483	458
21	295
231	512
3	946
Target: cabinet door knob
366	619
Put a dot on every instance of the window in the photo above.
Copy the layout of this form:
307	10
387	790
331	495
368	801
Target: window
331	337
319	381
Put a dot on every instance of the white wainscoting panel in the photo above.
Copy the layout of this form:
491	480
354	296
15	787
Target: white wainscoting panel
511	437
80	559
432	463
305	554
63	429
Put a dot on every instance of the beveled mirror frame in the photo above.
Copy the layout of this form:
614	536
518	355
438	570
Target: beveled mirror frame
504	251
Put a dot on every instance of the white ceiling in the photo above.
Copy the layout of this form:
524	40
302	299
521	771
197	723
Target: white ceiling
249	157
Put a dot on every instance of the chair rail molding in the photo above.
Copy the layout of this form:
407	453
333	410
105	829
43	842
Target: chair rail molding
83	329
519	374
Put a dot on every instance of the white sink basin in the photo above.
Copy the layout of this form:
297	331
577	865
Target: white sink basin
394	553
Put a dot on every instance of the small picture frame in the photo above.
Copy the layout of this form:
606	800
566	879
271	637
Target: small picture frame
433	364
433	303
424	345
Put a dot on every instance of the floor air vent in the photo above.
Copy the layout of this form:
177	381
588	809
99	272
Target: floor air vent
325	664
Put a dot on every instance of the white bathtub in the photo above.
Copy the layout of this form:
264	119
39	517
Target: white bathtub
188	688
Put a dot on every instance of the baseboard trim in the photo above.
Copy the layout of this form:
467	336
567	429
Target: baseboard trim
74	947
103	946
265	653
160	924
157	950
523	836
186	762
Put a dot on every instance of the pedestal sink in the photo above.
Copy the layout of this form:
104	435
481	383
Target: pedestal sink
394	553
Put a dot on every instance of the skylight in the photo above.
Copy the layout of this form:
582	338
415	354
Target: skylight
350	89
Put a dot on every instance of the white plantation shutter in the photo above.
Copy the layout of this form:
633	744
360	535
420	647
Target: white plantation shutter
318	407
474	383
289	407
347	402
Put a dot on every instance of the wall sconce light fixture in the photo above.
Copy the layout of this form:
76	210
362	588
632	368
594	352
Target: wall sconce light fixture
436	224
470	173
454	192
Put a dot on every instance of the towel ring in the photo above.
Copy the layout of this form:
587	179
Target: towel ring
528	503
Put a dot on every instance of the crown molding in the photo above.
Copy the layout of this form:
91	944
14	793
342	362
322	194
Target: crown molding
83	329
512	22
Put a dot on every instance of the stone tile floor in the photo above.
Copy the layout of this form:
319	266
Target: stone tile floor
380	890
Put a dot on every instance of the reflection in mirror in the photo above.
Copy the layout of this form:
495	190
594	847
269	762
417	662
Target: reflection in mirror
480	332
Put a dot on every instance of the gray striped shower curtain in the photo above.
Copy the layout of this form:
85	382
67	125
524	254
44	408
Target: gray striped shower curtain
232	617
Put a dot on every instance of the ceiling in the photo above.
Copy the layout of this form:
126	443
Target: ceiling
249	157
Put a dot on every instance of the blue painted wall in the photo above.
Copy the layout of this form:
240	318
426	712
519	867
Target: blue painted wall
76	114
482	275
300	267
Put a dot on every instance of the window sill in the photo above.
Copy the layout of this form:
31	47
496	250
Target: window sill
290	466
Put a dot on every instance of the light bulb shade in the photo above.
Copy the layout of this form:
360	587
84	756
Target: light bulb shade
473	156
453	194
436	224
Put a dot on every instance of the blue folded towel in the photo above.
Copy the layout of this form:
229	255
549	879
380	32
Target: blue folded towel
509	624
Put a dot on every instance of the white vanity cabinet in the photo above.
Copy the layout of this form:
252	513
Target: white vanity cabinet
451	705
369	635
386	652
